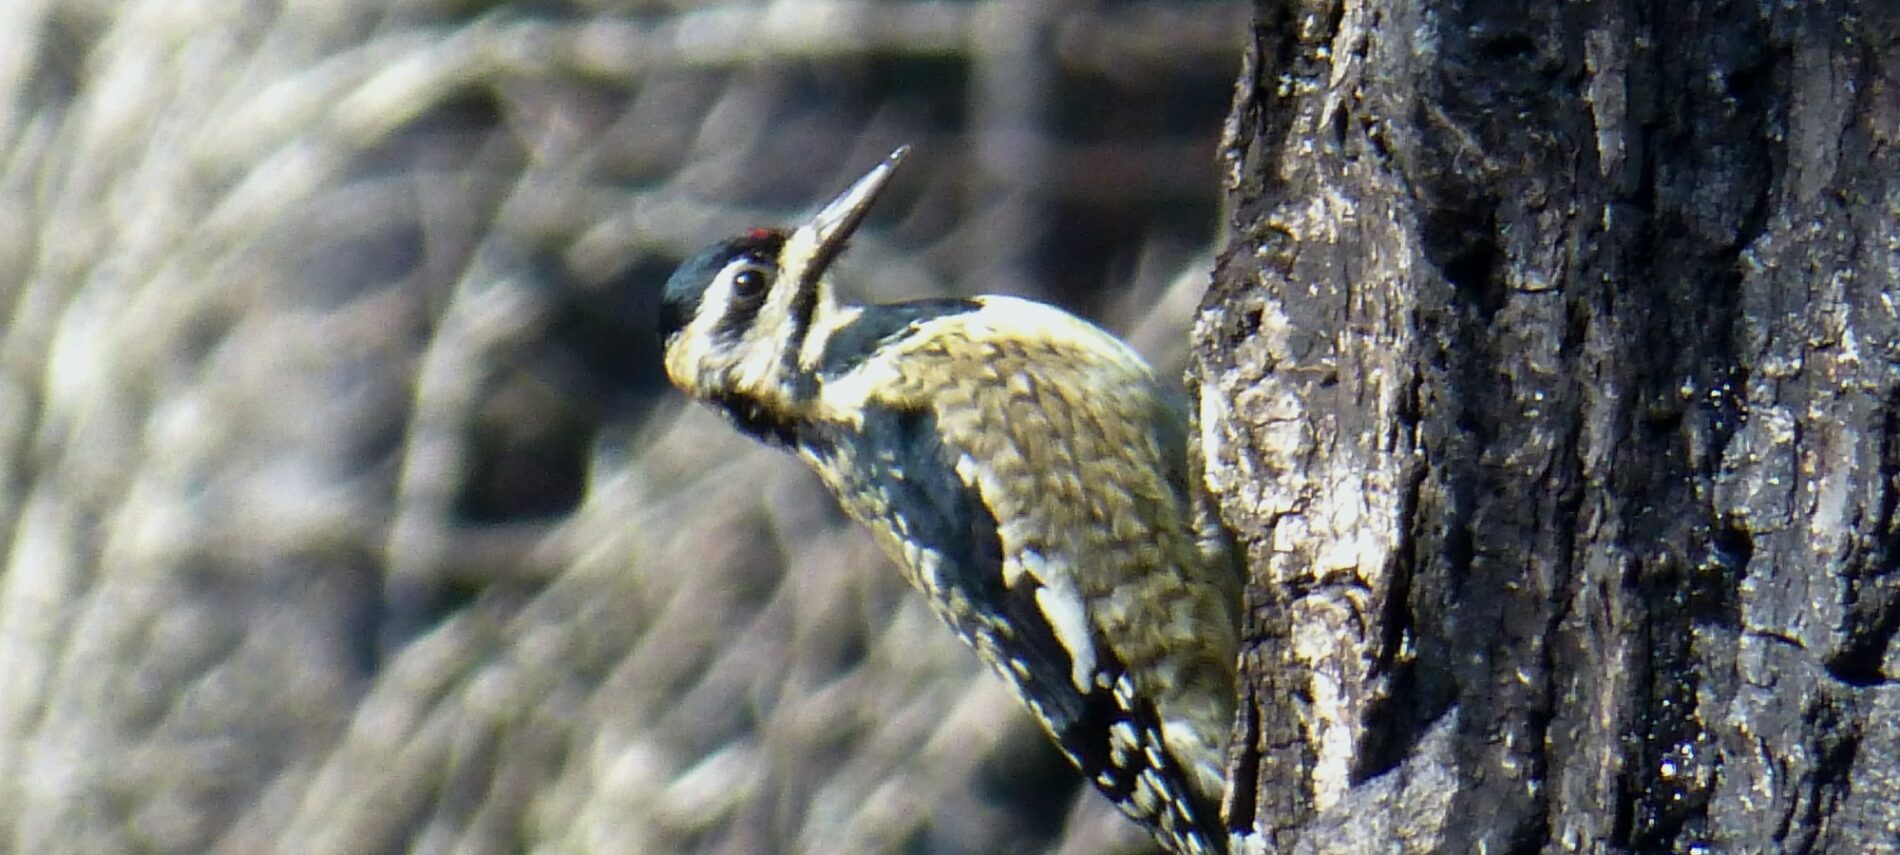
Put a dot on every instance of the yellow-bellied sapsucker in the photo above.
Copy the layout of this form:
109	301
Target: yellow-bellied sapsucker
1024	468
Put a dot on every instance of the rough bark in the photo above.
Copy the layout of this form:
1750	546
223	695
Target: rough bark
1551	380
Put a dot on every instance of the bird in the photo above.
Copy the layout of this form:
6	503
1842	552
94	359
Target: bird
1027	472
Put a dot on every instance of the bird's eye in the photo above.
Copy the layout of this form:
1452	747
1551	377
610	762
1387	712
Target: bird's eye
748	282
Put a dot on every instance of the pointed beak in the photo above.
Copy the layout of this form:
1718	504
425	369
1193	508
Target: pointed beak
828	229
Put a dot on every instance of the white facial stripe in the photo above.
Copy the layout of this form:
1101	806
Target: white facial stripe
800	246
760	368
829	317
692	355
702	351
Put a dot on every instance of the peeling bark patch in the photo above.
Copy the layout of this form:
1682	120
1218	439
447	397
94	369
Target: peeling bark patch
1757	482
1870	654
1607	64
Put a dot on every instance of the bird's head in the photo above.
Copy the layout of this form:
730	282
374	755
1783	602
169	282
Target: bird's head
738	318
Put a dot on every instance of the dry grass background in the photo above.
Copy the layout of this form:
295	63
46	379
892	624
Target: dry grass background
342	506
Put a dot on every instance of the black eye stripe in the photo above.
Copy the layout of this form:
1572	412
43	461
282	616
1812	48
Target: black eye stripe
749	287
681	298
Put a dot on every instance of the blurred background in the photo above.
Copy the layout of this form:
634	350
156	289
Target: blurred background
343	505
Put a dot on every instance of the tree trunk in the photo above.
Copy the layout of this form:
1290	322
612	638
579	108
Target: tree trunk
1551	382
